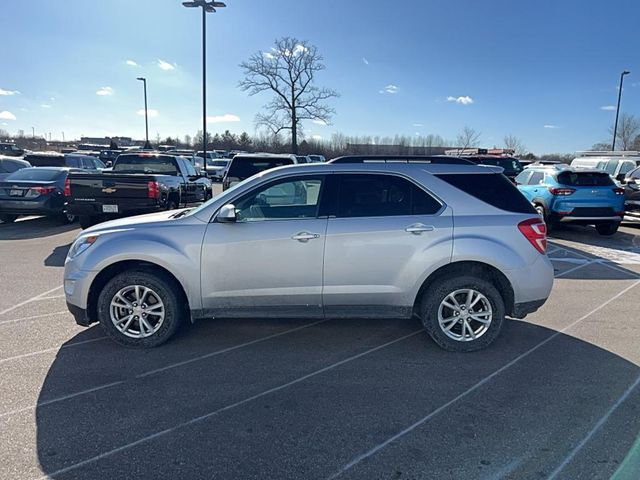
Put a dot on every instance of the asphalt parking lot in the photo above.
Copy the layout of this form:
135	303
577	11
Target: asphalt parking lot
556	396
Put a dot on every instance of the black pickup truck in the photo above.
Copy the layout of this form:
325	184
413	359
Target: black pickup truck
137	183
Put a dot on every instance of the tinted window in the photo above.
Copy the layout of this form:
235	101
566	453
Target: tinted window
496	190
382	195
46	160
285	199
159	164
37	174
586	179
245	167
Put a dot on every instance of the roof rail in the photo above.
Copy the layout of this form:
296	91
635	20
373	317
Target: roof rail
437	159
608	153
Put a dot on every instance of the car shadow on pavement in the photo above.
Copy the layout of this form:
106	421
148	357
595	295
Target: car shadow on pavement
58	256
527	418
576	264
33	227
588	236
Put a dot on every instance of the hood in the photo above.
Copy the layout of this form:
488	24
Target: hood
132	222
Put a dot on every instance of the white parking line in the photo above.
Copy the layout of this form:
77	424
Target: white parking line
594	430
47	350
356	460
226	408
33	317
32	299
157	370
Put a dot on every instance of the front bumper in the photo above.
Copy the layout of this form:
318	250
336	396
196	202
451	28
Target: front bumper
521	310
76	290
80	315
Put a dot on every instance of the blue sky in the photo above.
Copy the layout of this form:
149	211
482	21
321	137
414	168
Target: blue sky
542	71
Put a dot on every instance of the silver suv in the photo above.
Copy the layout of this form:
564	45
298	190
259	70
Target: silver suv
452	243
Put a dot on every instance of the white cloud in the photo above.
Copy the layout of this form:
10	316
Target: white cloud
320	122
464	100
268	55
5	115
316	137
166	65
45	105
151	112
365	61
227	117
608	108
9	92
53	99
105	91
4	124
131	63
418	125
551	126
391	89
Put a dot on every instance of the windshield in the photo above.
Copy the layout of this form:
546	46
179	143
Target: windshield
36	174
145	163
215	198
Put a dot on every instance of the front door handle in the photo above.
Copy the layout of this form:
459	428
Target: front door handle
305	236
418	228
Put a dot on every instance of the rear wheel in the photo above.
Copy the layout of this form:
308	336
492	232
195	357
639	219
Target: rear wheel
140	308
463	313
543	214
7	218
607	228
67	218
87	221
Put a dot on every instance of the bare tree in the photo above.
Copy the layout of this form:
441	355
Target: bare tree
628	130
288	71
467	138
514	143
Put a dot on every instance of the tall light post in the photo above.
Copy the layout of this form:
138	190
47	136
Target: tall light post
615	126
207	7
146	117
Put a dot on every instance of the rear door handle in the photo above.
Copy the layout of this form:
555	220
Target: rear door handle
418	228
305	236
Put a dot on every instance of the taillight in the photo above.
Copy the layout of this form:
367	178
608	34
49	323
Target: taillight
153	189
43	190
561	191
535	230
67	188
618	191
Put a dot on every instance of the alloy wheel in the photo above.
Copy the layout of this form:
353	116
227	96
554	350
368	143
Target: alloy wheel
465	315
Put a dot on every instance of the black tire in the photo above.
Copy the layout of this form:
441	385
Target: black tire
545	216
437	292
7	218
607	228
67	219
86	221
165	287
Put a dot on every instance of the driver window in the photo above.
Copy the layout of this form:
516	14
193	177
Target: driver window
288	199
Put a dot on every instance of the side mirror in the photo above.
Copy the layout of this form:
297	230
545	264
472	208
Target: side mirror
227	214
108	164
621	176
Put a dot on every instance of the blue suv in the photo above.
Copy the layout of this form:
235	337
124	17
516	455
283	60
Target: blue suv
563	194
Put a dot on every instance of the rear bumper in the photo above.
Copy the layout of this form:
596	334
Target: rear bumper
588	220
28	207
531	286
95	209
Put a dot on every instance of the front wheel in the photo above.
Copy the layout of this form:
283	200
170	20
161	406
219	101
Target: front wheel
140	308
67	218
607	228
463	313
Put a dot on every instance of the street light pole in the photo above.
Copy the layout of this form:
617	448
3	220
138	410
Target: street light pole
146	117
207	7
615	126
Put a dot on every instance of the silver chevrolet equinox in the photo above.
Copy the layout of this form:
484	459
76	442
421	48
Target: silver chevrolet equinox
454	244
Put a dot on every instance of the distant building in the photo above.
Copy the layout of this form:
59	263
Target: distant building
372	149
479	151
120	141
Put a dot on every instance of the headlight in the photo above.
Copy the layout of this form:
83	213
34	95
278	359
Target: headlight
81	244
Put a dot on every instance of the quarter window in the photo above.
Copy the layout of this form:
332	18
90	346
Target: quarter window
287	199
536	178
382	196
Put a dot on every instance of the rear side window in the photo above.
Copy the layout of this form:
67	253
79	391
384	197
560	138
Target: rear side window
382	196
494	189
585	179
536	178
245	167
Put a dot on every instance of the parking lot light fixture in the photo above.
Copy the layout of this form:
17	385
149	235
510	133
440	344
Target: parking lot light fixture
207	7
147	145
615	126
